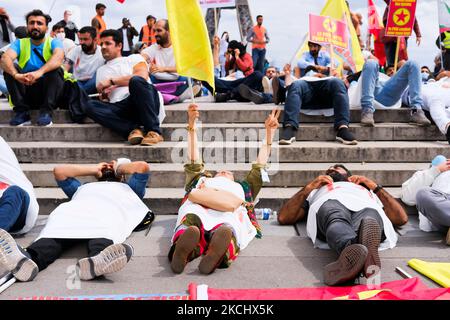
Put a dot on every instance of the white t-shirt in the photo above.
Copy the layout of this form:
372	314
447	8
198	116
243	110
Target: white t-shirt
163	57
126	45
355	198
109	210
120	67
238	220
11	175
68	45
85	65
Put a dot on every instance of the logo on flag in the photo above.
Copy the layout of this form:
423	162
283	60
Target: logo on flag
401	18
326	30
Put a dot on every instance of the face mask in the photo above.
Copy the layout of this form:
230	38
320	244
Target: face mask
425	76
60	36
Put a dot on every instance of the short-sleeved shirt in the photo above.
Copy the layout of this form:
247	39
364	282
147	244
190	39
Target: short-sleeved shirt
35	63
163	57
85	65
119	67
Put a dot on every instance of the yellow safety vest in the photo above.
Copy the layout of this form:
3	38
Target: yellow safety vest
446	40
25	51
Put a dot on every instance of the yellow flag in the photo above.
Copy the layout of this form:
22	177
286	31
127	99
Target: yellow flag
190	40
352	56
439	272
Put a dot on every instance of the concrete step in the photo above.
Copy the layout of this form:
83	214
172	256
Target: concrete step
283	175
233	112
231	152
164	201
231	132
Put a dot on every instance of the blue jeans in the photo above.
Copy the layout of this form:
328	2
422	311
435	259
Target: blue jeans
390	92
13	208
141	108
88	85
182	88
317	95
3	88
259	57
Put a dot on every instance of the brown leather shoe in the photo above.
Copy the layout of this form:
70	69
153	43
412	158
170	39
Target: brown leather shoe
151	138
184	246
369	235
216	250
135	137
347	267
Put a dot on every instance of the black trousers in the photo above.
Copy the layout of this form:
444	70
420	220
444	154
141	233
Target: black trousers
339	226
45	251
141	108
44	95
254	81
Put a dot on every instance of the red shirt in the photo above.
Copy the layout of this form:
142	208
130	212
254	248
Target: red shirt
244	64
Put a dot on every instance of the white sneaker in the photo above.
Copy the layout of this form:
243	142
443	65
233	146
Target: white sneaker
187	93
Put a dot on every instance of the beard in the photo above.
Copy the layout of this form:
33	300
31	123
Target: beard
86	48
36	34
338	177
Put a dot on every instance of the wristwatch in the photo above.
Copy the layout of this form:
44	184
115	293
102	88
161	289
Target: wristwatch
378	188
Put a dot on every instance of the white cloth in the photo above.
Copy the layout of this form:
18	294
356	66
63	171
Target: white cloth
163	57
11	175
355	93
120	67
85	65
109	210
436	100
425	178
354	198
238	220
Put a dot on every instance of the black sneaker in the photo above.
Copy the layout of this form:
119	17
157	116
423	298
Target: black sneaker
448	135
250	94
345	136
288	135
279	93
20	119
45	120
221	97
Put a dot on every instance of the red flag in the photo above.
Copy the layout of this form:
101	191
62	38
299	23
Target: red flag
374	21
121	1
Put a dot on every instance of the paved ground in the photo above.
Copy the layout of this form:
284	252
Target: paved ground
281	259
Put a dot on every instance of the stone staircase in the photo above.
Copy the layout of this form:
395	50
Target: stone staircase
389	153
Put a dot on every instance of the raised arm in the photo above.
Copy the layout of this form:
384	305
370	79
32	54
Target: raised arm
393	209
294	209
193	152
271	124
66	171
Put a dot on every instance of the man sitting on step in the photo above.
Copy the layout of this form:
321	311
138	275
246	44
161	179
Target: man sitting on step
316	94
18	205
216	218
99	214
38	80
129	104
351	215
429	190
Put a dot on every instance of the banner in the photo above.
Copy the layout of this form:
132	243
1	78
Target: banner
401	16
444	15
407	289
326	30
217	3
352	56
190	40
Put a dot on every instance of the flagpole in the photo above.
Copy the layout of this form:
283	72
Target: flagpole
51	8
215	22
331	58
397	49
192	90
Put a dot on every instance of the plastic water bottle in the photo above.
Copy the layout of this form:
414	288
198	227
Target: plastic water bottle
265	214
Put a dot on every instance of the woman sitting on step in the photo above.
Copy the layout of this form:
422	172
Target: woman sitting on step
216	218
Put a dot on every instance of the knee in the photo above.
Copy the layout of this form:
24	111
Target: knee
328	208
371	65
412	65
136	82
17	192
337	85
424	197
